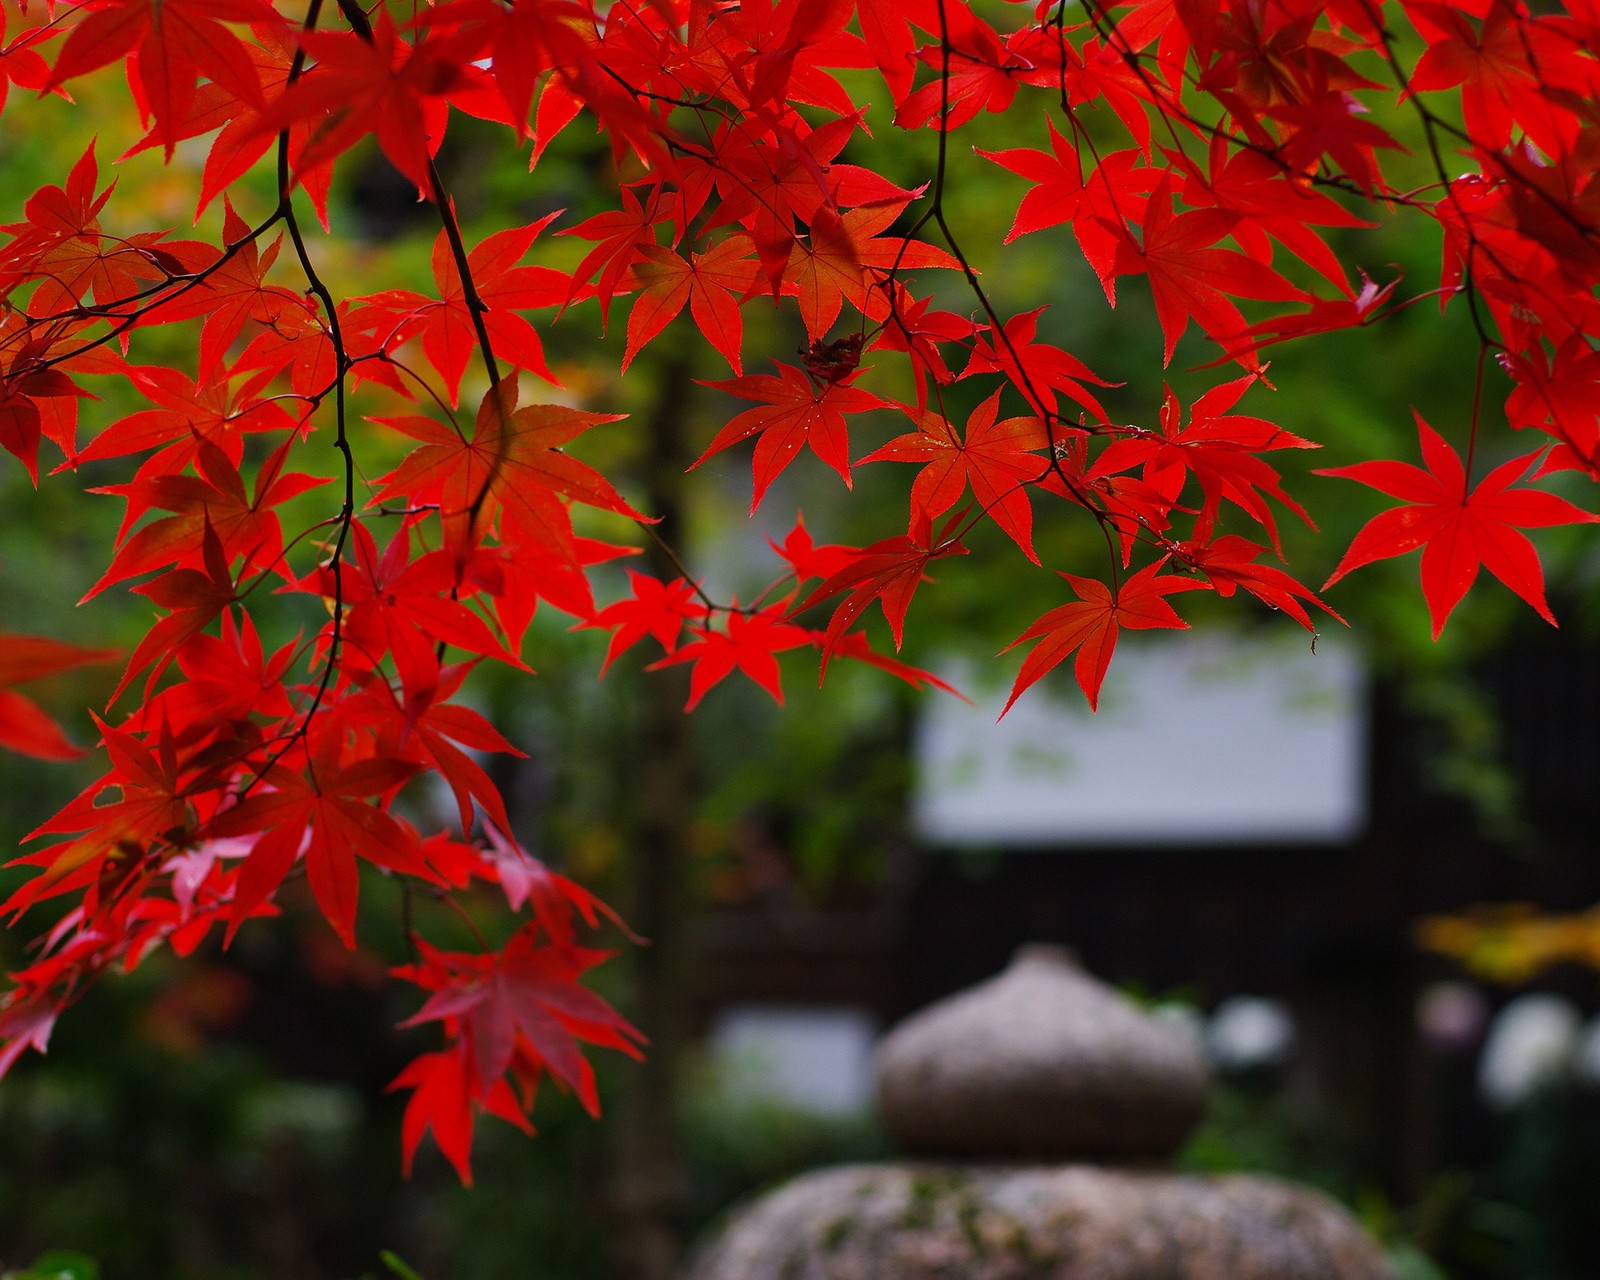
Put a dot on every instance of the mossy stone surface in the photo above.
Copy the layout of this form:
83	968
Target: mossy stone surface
1077	1222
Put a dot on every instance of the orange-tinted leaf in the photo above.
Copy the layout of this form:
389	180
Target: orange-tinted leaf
996	459
795	412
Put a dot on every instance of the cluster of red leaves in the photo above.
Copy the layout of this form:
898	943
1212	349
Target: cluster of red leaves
1235	140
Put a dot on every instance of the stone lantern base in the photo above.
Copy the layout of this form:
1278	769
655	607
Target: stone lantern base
933	1221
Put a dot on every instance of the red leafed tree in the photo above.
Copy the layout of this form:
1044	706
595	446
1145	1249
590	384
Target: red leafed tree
1210	152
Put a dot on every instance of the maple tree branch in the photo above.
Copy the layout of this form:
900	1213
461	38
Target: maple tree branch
438	400
1477	408
356	16
341	440
187	283
935	212
673	558
476	307
1432	124
271	567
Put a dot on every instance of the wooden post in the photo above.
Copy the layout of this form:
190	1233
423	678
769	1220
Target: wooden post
649	1184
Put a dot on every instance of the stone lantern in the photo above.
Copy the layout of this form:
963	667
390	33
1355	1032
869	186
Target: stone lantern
1038	1109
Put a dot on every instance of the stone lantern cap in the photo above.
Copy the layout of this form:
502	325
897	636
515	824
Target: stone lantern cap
1003	1094
1041	1063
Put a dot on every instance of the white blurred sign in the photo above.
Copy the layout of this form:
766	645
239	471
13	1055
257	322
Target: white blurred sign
817	1059
1201	739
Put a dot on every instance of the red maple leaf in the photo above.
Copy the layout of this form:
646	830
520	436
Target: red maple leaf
1098	204
148	806
23	726
405	607
806	558
227	678
981	75
1560	395
1502	67
757	57
1330	124
748	642
513	465
1037	369
888	571
73	259
446	327
712	283
21	64
1191	280
768	177
654	608
916	328
847	257
378	84
1094	202
1229	563
1253	184
796	411
1458	531
1325	315
324	816
996	458
193	596
422	726
519	577
887	24
213	502
234	294
623	235
26	1020
526	40
181	413
855	645
523	1001
169	45
240	143
442	1100
22	418
1218	448
1090	625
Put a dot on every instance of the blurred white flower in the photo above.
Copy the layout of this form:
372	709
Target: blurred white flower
1247	1032
1531	1042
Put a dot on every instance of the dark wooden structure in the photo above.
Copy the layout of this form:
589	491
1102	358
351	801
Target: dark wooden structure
1328	929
